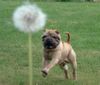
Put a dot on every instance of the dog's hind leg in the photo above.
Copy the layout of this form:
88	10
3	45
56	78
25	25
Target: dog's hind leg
72	58
66	71
65	68
74	66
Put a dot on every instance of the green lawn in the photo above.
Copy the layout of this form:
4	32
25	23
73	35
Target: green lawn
82	20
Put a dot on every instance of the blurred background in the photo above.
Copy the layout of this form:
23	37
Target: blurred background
79	17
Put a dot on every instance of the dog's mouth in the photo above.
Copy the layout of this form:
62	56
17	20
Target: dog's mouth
50	45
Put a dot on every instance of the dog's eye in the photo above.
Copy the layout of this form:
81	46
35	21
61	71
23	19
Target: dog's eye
54	37
57	38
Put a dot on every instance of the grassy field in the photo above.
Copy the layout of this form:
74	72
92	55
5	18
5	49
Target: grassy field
82	20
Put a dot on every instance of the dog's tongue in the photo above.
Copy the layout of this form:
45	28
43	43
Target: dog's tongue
50	47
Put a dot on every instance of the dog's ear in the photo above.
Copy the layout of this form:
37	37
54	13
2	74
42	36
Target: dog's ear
57	31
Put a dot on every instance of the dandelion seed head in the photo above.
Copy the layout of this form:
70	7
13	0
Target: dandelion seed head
29	18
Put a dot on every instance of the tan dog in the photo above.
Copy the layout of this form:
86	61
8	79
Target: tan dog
58	52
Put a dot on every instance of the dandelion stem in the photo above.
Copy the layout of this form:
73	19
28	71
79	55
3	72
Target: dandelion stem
30	58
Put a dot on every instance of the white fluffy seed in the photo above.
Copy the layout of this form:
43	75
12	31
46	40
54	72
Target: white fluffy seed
29	18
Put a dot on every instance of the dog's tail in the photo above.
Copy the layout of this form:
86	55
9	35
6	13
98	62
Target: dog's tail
68	39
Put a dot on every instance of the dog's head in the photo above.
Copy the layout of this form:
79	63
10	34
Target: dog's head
51	39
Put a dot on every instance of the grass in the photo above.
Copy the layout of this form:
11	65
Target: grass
82	20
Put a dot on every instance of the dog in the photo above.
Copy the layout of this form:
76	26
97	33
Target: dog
58	52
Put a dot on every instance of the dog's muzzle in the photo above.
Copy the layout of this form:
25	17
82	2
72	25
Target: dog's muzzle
49	43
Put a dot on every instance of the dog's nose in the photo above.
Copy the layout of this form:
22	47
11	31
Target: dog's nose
49	40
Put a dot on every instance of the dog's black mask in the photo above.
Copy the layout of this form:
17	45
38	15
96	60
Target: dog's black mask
50	41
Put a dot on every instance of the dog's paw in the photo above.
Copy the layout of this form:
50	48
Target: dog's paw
44	73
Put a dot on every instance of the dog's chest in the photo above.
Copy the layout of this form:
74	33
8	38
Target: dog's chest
49	55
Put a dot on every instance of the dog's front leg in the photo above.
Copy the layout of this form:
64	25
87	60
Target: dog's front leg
45	63
53	62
